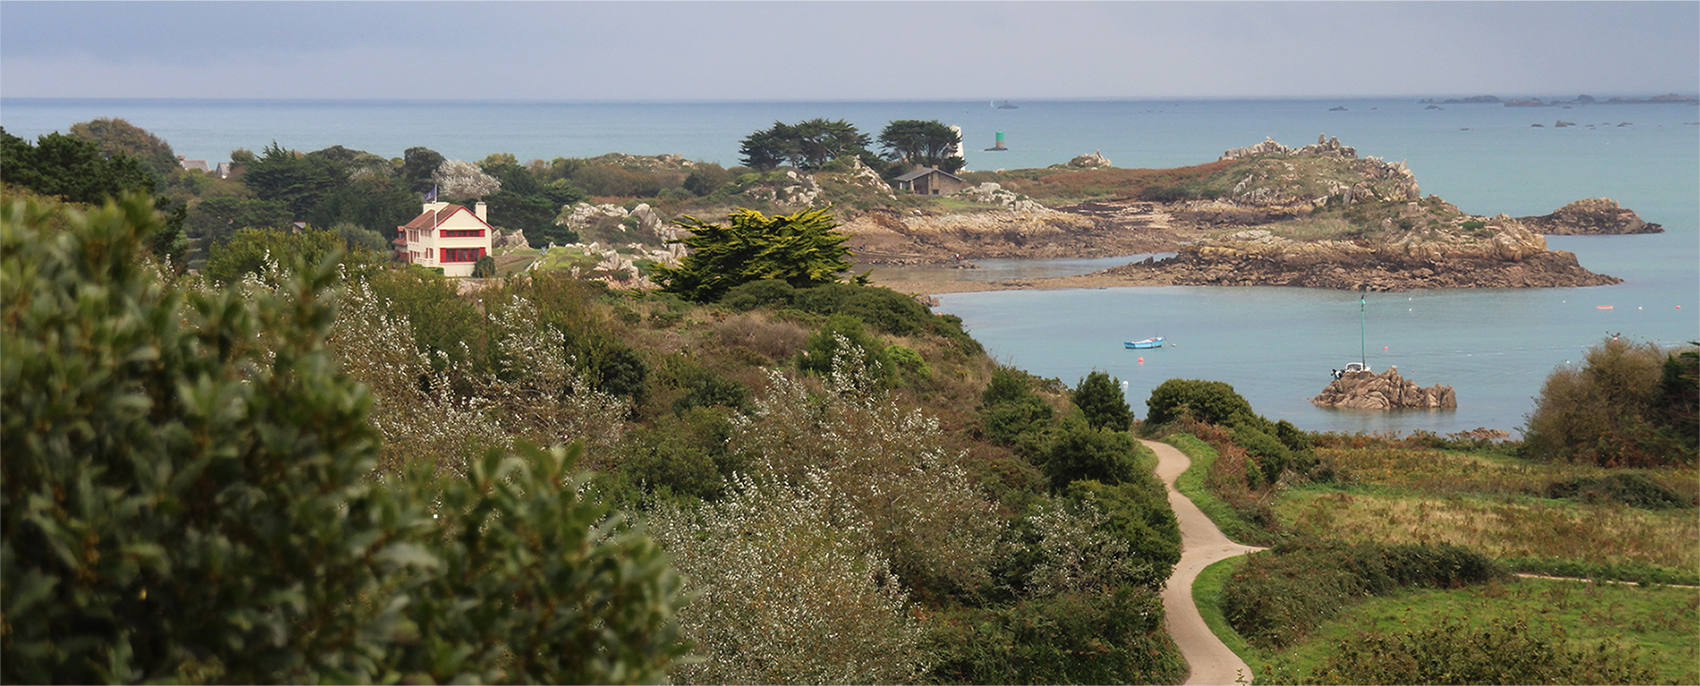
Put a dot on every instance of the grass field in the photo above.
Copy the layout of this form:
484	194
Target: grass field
1661	622
1492	504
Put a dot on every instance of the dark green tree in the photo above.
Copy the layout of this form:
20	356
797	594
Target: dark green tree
297	180
706	178
211	222
70	168
484	268
1078	452
1211	402
926	143
372	202
1100	398
802	249
417	166
807	145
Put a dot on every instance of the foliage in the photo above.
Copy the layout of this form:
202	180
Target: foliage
806	145
1212	402
212	221
484	268
1010	412
802	249
187	498
250	250
834	337
118	136
929	519
1100	398
683	454
297	180
706	178
1073	638
1097	537
1455	652
70	168
1629	405
1628	488
1079	452
1278	597
419	167
376	203
926	143
1269	455
883	309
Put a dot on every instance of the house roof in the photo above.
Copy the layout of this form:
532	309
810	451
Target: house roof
923	171
425	219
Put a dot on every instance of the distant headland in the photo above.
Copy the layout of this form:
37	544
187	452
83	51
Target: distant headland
1666	99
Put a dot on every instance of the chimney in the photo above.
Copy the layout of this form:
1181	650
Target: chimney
483	211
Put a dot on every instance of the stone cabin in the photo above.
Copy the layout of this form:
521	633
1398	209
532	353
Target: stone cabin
930	181
447	236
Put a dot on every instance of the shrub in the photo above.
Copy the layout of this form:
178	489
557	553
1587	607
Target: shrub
682	454
826	344
1212	402
1279	597
1010	412
1456	652
1629	488
1616	409
1269	453
1079	452
1100	398
1073	638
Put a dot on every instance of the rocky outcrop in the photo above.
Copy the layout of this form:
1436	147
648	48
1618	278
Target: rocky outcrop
1505	255
1384	391
1096	160
509	239
1594	216
993	194
1324	145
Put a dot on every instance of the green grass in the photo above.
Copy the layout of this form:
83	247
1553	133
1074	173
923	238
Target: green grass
1191	484
1206	594
1661	621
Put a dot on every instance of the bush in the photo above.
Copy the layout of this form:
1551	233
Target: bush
1010	412
1278	597
1212	402
828	342
1629	488
1628	405
683	454
1100	398
1073	638
1455	652
1271	455
1079	452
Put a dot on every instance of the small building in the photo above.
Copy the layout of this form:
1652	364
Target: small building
930	181
446	236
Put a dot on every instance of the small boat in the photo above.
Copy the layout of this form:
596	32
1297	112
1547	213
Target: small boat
1145	344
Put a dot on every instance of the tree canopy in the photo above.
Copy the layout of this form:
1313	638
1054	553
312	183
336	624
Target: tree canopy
70	168
120	136
802	249
927	143
807	145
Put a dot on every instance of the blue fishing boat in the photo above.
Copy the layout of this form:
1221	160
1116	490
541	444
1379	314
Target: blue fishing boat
1145	344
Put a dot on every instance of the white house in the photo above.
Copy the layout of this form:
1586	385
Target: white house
447	236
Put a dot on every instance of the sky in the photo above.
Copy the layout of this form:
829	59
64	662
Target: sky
816	50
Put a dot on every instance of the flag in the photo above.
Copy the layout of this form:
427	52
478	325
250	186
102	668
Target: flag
432	196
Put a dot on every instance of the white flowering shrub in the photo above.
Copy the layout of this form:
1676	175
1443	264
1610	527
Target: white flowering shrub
935	525
790	588
537	393
460	179
1076	554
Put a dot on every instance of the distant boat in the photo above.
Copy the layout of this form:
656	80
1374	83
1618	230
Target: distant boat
1145	344
1004	106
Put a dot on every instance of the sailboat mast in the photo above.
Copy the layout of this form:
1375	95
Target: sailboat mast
1363	348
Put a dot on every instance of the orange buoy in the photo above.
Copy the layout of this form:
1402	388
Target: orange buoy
1142	360
1602	307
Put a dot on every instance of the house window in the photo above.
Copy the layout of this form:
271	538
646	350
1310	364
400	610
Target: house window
462	254
463	233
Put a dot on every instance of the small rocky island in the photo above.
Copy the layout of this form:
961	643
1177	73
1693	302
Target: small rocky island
1591	217
1384	391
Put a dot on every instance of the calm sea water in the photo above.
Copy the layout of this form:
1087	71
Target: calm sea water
1275	345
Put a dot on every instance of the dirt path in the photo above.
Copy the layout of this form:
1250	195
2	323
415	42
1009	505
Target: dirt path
1202	544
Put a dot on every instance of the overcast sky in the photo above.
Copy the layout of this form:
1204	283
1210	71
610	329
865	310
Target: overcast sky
844	50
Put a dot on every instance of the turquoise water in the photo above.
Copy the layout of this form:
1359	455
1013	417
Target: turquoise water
1275	345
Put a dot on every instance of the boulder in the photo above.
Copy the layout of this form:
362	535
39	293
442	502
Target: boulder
1384	391
1096	160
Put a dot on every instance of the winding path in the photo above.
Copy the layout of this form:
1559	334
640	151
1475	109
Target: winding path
1202	544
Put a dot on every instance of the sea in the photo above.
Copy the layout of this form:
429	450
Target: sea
1276	346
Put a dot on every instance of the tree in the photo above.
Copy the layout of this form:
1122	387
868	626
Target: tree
927	143
459	179
802	249
374	203
418	166
188	497
297	180
807	145
484	268
210	222
1627	405
70	168
120	136
1211	402
249	251
1100	398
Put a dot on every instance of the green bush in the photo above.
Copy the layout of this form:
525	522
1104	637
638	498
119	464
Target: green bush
1279	597
1078	452
1628	405
1270	454
1076	638
682	454
1100	398
1629	488
188	496
1457	652
1138	513
1212	402
826	343
1010	412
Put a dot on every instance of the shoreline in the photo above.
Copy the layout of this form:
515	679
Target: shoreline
921	288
